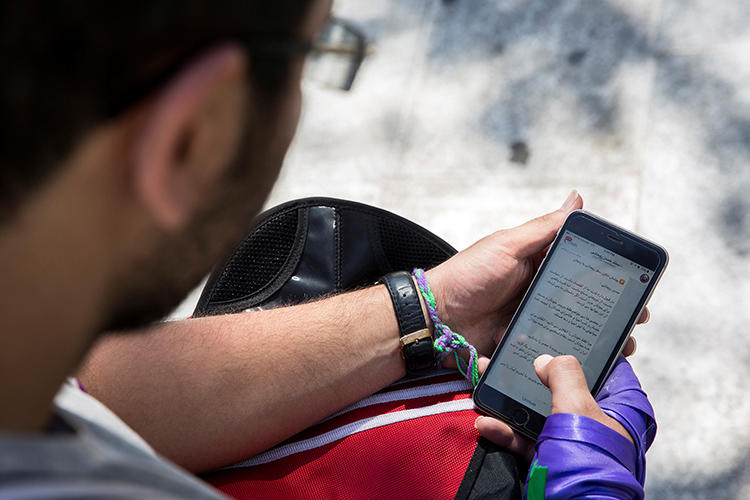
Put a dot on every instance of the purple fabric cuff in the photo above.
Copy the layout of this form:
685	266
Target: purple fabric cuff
587	459
597	437
622	398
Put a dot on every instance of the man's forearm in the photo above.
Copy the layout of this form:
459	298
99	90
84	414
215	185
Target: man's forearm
210	391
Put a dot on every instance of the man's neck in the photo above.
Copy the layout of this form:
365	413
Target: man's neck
52	295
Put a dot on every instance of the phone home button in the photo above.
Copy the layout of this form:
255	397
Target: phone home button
520	416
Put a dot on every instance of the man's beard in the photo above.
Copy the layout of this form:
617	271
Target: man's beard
157	283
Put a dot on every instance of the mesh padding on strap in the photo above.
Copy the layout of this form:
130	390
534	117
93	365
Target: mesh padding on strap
405	248
257	262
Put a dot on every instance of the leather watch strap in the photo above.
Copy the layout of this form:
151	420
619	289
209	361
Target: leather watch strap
416	341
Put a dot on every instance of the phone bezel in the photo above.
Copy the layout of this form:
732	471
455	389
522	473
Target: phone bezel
601	232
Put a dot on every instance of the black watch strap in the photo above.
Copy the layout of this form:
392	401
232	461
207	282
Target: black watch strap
416	340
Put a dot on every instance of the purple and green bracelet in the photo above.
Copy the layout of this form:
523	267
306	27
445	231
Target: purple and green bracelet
447	341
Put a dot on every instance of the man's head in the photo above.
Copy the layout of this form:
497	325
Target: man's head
144	136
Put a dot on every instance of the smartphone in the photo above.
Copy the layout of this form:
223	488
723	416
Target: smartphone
584	301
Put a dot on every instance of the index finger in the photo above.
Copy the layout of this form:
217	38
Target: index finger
533	236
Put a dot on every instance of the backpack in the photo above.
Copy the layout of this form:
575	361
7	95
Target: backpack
413	439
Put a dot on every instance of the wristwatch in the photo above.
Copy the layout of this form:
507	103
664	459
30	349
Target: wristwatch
416	340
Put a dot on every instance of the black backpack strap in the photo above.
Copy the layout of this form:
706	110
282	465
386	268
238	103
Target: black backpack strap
313	247
493	473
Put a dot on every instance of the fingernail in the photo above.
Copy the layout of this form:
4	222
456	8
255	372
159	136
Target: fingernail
570	200
476	422
542	361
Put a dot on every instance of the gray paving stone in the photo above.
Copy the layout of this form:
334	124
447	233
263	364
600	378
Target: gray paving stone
569	80
349	144
695	25
520	99
694	358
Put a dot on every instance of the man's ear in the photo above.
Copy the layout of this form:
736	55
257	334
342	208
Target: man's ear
189	135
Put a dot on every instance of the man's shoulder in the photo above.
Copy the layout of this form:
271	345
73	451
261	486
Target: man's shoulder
89	452
94	421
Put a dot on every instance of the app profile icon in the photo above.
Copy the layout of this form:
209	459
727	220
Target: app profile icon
644	278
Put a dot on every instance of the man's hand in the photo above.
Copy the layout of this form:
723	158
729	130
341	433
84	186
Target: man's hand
570	394
584	458
479	289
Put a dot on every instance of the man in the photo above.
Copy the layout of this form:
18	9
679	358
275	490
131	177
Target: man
137	143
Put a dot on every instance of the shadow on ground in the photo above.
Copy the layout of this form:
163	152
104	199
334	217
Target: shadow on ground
577	50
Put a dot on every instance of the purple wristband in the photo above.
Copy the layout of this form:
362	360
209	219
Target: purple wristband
623	399
586	459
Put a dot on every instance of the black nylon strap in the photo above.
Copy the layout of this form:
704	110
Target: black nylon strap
420	355
493	473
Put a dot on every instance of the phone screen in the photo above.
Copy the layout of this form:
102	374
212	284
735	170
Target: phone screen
584	292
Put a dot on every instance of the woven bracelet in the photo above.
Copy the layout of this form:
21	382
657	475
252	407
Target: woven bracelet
446	340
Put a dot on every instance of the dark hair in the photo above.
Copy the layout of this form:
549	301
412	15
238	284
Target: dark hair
67	66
